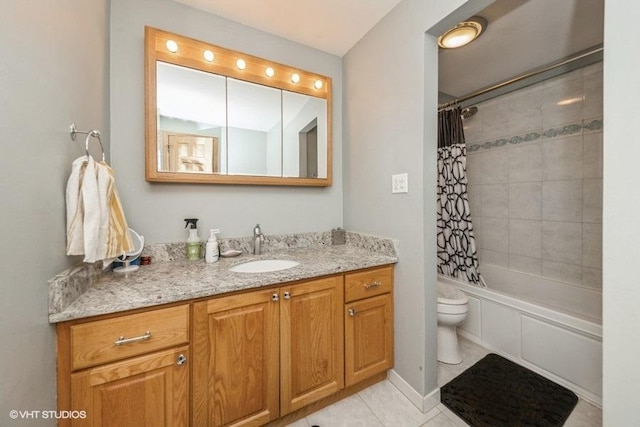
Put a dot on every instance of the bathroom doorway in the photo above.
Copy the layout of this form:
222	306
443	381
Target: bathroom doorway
308	149
531	97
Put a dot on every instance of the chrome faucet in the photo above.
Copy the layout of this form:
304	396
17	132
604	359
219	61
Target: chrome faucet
258	239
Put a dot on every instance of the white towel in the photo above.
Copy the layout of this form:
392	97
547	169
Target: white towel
75	208
93	207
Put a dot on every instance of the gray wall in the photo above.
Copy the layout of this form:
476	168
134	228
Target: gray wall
621	201
233	209
390	92
40	100
53	72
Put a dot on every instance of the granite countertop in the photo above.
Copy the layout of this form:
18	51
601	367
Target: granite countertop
181	280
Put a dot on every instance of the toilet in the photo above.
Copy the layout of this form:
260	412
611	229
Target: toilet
453	306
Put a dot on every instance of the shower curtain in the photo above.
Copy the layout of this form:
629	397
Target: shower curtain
457	256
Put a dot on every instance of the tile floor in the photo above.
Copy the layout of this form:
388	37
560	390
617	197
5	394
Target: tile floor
382	405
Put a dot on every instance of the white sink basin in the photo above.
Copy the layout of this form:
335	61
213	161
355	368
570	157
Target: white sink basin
264	266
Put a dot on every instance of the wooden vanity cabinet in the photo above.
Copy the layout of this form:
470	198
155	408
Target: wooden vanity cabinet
245	359
127	370
263	354
368	314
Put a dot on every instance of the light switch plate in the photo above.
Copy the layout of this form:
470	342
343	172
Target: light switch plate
400	183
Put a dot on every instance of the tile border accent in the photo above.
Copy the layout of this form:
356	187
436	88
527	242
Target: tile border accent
584	126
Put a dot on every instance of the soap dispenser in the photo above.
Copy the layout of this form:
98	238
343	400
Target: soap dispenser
211	254
193	242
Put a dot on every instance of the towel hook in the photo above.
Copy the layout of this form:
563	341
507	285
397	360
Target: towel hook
94	133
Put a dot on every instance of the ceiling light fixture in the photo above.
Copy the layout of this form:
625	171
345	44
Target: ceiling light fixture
270	72
463	33
295	78
241	64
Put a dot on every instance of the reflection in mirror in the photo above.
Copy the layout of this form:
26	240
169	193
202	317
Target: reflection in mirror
254	129
191	120
189	153
304	140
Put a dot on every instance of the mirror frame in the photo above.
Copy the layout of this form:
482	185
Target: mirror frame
190	54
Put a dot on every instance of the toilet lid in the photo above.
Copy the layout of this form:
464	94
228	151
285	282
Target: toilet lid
450	295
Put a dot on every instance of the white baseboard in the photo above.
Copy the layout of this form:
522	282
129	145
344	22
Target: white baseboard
431	400
423	403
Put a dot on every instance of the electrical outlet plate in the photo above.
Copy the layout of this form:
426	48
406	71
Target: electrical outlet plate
400	183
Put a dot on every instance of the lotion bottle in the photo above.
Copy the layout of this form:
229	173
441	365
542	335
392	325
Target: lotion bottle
212	252
193	242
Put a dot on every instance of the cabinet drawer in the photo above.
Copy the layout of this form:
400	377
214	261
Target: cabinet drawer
103	341
368	283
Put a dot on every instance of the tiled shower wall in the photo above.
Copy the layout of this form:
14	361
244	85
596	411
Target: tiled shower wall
534	164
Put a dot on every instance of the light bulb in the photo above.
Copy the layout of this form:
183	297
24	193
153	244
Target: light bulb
172	46
208	55
295	77
241	64
270	72
318	84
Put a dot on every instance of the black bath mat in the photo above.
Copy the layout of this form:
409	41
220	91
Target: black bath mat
496	392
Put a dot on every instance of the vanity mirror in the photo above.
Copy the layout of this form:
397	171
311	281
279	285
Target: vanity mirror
214	115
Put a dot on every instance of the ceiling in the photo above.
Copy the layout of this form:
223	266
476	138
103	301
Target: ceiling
332	26
522	34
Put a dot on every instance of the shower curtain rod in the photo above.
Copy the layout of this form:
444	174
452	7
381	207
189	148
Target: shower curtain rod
567	61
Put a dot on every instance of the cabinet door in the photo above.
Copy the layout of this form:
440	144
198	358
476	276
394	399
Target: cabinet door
235	369
311	342
151	390
368	337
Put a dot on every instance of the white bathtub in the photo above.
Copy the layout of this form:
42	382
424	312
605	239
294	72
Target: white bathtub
556	331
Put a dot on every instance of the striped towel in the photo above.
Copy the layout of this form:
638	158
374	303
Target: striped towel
118	239
96	225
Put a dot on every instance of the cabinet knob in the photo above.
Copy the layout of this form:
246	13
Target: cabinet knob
182	359
286	295
275	297
352	312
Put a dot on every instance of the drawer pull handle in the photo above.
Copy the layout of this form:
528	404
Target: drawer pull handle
275	297
123	340
182	359
287	295
352	312
373	284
